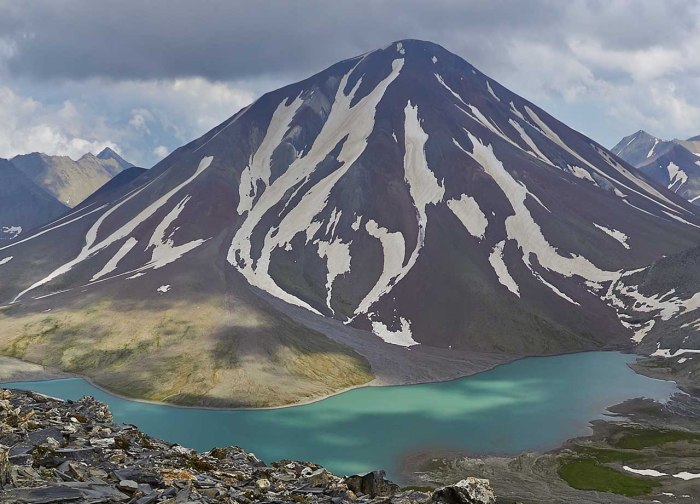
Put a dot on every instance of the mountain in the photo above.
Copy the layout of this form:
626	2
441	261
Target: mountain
399	216
674	164
111	159
71	181
23	204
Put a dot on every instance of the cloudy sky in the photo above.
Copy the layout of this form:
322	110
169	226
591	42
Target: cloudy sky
146	77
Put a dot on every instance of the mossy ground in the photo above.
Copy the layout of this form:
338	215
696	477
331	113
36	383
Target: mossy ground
197	355
597	467
588	474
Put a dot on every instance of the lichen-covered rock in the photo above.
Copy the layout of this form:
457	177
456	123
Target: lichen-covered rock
468	491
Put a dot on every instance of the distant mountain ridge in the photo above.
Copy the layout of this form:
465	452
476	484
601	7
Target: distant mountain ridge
68	180
675	164
23	204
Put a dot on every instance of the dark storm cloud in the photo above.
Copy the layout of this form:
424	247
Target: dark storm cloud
80	39
149	75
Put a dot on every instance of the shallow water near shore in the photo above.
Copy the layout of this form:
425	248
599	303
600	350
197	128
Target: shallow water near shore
531	404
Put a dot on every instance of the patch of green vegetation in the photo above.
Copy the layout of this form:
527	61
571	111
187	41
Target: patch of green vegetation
603	455
37	333
637	439
587	474
101	359
417	488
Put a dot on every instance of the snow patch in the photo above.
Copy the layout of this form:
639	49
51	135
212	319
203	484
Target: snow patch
676	175
666	352
501	270
614	233
644	472
163	289
393	246
15	231
402	337
467	210
581	173
488	87
5	260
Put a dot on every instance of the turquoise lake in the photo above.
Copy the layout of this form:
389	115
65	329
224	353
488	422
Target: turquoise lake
531	404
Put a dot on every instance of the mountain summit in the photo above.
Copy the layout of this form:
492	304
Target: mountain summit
398	199
675	164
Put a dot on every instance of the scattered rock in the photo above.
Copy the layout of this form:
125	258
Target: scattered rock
467	491
66	451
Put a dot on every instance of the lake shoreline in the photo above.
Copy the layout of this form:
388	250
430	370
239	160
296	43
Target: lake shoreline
534	474
36	372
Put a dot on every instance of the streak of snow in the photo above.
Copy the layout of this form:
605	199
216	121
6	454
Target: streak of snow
488	87
164	249
522	227
393	246
48	230
680	219
351	124
90	248
424	189
113	263
501	270
615	234
644	472
517	112
549	133
5	260
258	169
467	210
526	138
651	151
337	255
666	352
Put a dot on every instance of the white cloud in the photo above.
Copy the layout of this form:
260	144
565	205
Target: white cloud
29	125
161	151
143	120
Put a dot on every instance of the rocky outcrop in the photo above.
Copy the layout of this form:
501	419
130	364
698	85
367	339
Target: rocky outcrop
65	451
466	491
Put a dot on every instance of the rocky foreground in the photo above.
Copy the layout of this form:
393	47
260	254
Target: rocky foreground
64	451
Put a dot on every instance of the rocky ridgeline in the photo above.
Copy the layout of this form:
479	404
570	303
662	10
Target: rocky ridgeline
64	451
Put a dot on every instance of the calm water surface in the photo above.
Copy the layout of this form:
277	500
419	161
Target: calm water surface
531	404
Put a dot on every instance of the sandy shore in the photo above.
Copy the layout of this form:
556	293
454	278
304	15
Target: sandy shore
15	370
